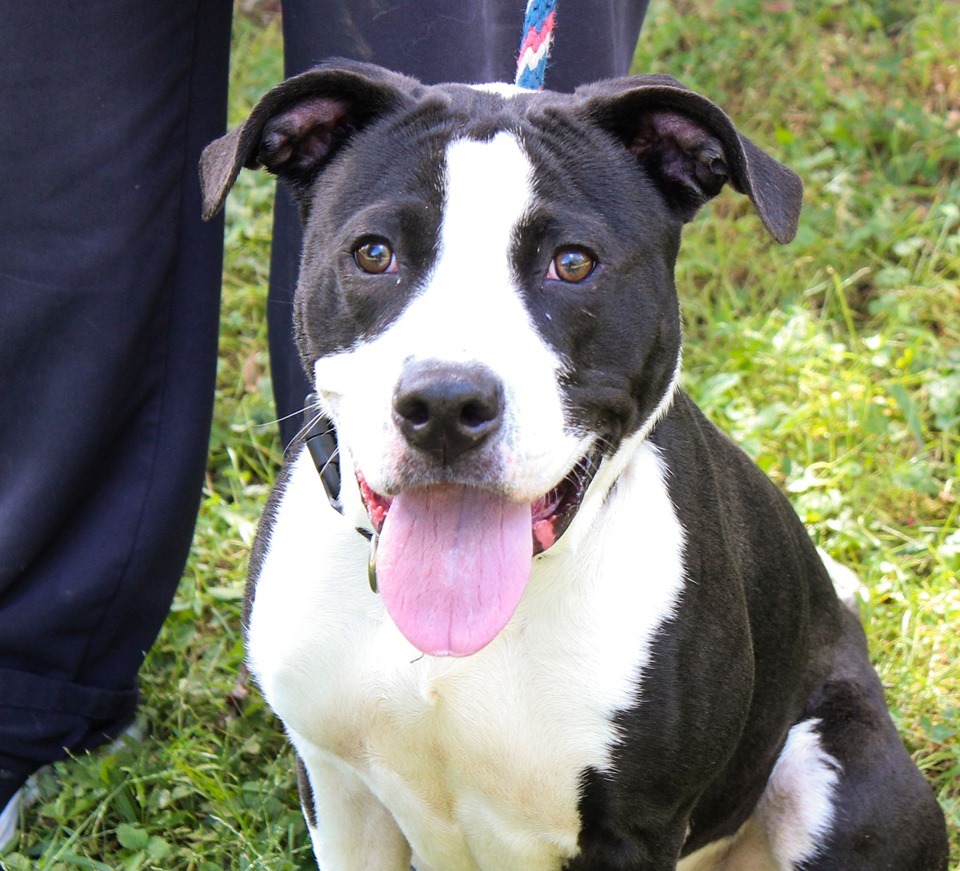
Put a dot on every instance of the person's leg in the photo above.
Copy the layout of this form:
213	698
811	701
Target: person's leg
457	41
109	300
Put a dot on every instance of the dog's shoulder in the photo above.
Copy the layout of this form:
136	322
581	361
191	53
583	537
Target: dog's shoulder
741	515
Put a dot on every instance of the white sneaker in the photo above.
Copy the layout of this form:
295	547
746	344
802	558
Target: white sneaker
27	794
9	820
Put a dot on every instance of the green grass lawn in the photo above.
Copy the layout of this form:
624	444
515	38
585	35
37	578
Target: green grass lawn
834	361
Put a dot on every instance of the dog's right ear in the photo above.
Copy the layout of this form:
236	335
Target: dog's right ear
297	127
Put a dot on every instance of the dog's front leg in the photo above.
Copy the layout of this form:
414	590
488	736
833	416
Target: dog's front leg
349	828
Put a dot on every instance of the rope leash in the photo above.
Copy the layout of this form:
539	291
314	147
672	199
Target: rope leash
538	24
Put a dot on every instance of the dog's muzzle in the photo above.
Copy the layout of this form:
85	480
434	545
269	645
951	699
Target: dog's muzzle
453	553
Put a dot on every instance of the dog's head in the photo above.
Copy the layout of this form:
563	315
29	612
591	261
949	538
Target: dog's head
486	301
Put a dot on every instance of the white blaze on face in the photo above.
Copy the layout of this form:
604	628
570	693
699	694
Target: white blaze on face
469	310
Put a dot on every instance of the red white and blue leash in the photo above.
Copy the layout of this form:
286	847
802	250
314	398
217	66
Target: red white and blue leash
538	25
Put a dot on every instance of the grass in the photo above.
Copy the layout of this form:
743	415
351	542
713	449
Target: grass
835	361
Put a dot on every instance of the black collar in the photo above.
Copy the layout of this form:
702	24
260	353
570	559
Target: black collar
321	440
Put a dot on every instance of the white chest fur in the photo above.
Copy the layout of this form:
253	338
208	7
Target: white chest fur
478	760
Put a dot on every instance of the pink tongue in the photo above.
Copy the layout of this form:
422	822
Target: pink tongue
452	564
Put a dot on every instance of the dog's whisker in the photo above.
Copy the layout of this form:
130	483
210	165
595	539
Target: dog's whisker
334	457
311	423
277	420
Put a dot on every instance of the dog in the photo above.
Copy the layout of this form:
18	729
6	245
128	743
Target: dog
599	637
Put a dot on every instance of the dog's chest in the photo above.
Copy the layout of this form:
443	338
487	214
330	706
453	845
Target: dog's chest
478	759
471	757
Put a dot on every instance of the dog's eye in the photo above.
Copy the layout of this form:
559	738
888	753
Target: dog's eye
376	257
572	265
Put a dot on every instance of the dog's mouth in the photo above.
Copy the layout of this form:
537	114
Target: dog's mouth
550	515
453	560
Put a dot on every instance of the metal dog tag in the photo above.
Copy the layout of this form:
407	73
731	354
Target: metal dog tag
372	563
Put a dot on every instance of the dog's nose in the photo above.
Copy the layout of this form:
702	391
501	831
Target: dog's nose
447	409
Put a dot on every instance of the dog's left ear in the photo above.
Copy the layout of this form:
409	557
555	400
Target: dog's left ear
691	148
299	125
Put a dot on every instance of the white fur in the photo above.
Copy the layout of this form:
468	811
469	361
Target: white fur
502	89
797	806
477	760
792	818
846	581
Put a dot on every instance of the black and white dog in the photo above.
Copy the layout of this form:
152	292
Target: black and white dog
602	638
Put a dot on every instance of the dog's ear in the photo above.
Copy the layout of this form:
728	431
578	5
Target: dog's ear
691	148
299	125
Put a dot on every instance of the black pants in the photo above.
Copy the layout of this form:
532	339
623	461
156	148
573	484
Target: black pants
109	304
